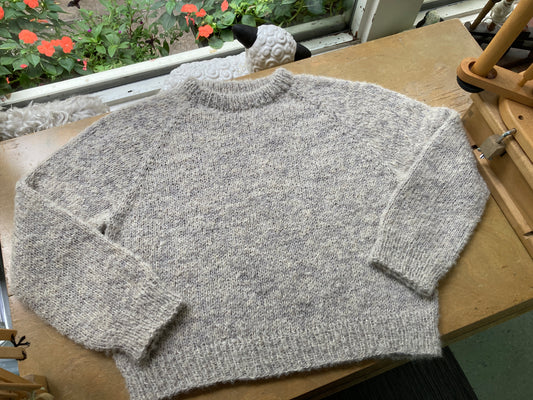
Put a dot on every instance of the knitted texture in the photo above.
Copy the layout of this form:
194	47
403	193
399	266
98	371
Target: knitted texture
232	231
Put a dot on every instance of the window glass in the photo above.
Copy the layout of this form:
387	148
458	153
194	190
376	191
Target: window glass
43	41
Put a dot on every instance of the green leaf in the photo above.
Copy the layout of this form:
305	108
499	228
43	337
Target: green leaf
25	81
101	49
112	50
228	18
6	60
167	21
182	24
67	63
34	72
5	33
169	7
215	42
18	62
34	59
113	39
19	5
50	69
79	70
227	35
97	30
157	5
248	20
315	6
9	46
4	71
162	51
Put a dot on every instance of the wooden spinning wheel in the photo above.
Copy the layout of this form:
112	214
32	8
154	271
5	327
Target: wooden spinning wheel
504	103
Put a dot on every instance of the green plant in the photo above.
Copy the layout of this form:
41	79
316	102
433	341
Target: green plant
220	16
125	34
34	48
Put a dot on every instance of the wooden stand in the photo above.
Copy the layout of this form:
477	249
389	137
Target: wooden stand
509	177
13	386
507	106
488	6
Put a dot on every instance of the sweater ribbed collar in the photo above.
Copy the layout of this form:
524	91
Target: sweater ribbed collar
238	95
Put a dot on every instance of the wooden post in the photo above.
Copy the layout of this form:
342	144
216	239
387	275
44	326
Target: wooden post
483	13
527	75
510	30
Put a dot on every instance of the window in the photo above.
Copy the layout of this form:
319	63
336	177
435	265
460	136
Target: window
305	19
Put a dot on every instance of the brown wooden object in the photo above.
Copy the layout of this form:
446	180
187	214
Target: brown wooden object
13	386
483	72
510	177
509	31
527	75
501	81
519	116
490	283
488	6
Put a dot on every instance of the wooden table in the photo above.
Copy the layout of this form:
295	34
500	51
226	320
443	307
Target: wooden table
492	281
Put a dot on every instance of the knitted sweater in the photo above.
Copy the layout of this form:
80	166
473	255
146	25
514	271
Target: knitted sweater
231	231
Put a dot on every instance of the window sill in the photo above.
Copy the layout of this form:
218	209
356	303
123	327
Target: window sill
152	73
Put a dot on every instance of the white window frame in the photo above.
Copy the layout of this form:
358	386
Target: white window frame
369	20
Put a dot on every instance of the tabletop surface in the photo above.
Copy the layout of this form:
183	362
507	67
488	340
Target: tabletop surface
492	281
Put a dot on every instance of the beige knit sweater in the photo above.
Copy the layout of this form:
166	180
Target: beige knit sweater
229	231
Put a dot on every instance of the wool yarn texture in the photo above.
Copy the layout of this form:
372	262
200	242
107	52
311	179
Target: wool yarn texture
238	230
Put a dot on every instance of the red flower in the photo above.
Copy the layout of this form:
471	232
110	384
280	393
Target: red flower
205	31
46	48
187	18
201	13
32	3
224	5
189	8
1	12
66	44
27	36
23	66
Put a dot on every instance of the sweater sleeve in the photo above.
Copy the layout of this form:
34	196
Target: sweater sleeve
434	209
64	266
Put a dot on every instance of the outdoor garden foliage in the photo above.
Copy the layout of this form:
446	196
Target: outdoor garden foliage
37	46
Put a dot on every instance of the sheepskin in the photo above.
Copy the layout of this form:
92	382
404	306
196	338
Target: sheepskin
40	116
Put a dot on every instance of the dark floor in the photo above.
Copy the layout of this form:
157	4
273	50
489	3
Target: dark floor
496	364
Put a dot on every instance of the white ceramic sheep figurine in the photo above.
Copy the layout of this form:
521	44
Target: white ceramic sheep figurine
266	46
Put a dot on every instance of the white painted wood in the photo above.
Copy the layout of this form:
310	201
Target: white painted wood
378	18
362	18
118	76
462	9
149	69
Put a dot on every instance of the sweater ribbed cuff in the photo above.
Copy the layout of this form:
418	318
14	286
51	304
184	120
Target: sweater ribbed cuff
159	310
390	256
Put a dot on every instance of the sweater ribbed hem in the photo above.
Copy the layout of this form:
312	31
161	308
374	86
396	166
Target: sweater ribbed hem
294	349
